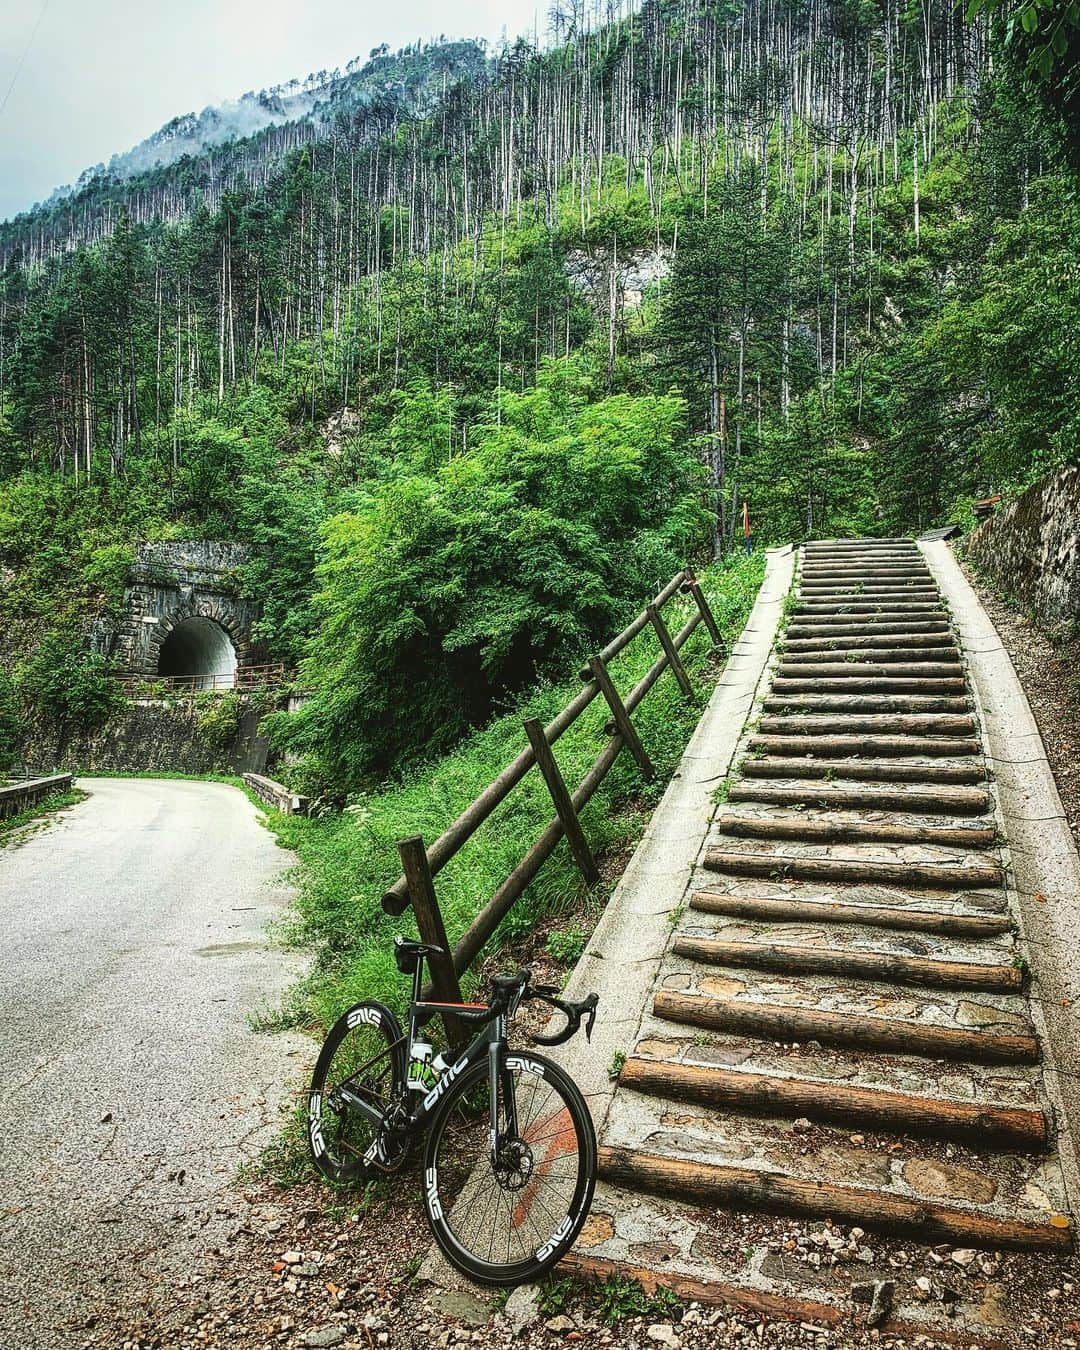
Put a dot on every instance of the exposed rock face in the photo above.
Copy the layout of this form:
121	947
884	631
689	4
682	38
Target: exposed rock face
169	583
591	272
1031	547
338	428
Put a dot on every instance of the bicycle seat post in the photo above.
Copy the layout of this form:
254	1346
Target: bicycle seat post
418	979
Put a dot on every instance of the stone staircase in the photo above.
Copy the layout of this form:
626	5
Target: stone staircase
839	1032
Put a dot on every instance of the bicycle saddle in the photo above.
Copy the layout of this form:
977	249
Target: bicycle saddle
407	954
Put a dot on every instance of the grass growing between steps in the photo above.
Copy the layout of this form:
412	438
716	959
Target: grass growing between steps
348	860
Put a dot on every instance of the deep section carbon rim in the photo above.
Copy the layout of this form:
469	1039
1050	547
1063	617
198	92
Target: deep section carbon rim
362	1058
509	1221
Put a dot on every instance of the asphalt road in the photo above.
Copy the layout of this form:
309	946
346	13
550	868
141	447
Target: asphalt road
133	951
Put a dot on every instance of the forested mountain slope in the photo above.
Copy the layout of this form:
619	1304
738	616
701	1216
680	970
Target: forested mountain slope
241	144
851	232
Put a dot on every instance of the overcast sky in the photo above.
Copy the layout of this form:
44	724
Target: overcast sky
101	75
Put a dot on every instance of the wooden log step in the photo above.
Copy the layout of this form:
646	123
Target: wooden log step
885	599
868	770
786	1022
859	606
899	586
903	917
833	650
838	684
713	1184
863	560
899	703
900	615
839	831
884	625
798	667
953	801
834	1100
899	724
841	590
779	866
839	747
791	958
902	574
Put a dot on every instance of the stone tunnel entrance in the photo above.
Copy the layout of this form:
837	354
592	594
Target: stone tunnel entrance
200	650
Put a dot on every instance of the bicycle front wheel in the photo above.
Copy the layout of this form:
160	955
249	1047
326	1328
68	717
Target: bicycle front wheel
508	1220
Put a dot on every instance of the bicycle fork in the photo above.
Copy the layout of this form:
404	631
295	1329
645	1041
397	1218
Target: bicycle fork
501	1089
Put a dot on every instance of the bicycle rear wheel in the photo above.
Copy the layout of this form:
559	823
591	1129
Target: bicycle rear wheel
362	1058
509	1223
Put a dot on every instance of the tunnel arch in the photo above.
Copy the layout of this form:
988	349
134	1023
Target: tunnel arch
199	648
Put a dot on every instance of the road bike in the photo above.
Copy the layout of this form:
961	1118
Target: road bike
510	1157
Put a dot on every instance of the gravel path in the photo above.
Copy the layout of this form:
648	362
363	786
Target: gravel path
132	952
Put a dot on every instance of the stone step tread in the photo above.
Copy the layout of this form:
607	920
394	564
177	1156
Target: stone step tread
834	653
962	1027
994	972
816	807
993	1180
868	684
956	1008
885	625
831	937
814	1186
870	643
905	724
831	828
846	863
846	746
1006	1085
907	918
796	667
867	703
972	901
909	798
944	856
859	608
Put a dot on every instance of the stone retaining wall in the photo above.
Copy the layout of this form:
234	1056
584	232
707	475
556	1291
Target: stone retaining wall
16	797
157	736
1031	548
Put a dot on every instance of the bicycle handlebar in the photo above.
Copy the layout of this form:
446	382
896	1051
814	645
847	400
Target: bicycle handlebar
573	1012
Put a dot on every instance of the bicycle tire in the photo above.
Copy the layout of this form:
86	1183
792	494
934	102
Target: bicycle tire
460	1218
365	1049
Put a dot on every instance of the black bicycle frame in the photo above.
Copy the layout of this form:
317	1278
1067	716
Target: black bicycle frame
490	1040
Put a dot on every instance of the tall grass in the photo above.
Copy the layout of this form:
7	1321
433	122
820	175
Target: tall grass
347	861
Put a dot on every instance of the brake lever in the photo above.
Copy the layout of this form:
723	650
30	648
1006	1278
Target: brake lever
573	1012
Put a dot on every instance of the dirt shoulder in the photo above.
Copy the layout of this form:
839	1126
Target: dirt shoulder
1048	667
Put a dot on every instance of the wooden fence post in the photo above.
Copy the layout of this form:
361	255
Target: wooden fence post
670	652
429	922
694	587
564	807
621	717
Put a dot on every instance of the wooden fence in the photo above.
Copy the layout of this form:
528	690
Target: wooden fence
243	677
421	864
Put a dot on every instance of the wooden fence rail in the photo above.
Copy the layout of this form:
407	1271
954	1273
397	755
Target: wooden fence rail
243	677
420	865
